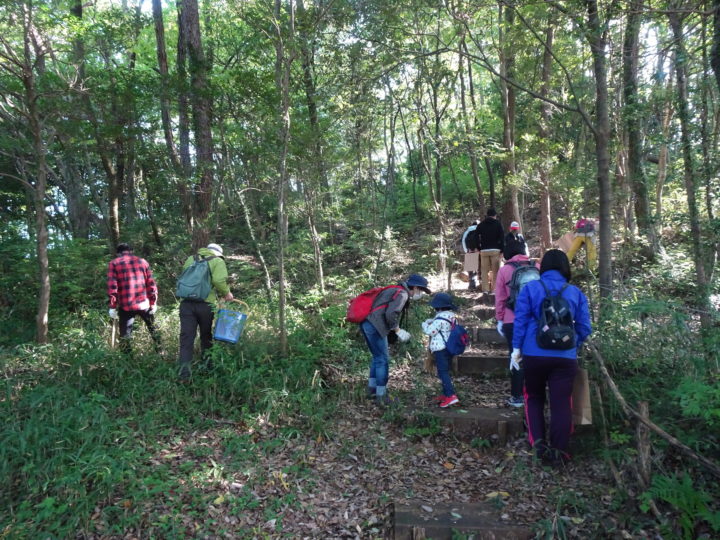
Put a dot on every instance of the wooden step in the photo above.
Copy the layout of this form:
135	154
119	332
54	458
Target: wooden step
486	335
484	313
470	364
443	521
488	423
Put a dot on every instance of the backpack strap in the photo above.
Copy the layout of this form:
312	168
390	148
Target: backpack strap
452	325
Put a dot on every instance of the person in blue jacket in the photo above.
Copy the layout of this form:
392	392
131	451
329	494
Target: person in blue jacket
553	368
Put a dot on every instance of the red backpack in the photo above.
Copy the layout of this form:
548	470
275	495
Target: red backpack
361	306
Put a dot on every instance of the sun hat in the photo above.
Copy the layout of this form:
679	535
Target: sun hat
216	248
443	300
416	280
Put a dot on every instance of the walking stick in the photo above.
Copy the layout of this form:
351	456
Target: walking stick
112	333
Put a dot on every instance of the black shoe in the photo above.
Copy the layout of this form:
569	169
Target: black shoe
542	450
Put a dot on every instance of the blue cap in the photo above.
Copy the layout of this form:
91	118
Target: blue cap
443	300
416	280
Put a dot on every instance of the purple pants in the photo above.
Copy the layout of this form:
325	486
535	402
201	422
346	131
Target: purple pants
558	374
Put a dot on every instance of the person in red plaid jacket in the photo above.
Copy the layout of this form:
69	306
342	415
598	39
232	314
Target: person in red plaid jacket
133	292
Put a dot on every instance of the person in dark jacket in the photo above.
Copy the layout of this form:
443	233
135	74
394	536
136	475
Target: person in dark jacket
515	242
491	243
384	318
553	368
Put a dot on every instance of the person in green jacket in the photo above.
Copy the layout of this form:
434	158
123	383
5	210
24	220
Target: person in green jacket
194	314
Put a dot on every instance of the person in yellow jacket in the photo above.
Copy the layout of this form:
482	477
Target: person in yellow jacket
584	234
196	313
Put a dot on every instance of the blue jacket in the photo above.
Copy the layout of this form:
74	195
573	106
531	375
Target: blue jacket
527	313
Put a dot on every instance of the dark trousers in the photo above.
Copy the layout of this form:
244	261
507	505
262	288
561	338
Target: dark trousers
442	362
558	374
192	316
517	376
127	319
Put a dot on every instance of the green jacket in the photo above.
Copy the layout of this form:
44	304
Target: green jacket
219	274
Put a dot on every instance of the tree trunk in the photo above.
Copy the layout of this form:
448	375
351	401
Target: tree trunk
632	116
283	63
683	111
544	133
40	184
715	52
173	154
469	132
598	42
201	101
511	209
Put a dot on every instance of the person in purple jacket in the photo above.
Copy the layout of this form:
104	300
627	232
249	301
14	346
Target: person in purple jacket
553	368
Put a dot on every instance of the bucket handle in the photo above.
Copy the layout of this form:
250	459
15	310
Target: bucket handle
247	308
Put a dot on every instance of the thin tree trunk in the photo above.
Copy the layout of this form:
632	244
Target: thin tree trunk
683	110
632	116
468	131
544	133
598	42
511	208
283	63
40	184
173	154
715	51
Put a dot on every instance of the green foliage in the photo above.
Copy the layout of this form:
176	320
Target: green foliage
699	399
691	502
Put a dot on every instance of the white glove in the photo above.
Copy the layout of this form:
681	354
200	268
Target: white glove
152	309
515	360
499	328
113	313
403	335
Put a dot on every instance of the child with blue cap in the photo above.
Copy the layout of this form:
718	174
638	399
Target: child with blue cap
439	330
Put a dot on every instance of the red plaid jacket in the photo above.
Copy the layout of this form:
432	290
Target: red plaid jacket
130	283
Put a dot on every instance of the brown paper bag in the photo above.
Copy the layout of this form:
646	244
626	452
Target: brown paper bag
581	408
472	262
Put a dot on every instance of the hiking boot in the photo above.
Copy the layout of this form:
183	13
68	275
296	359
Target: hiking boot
515	402
448	400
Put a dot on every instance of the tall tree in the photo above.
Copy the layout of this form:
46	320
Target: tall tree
201	104
633	114
675	17
27	66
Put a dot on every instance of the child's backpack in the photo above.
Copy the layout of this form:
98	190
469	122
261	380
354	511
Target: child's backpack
458	338
524	273
195	282
556	328
361	306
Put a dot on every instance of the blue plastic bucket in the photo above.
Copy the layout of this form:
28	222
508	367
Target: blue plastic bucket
229	325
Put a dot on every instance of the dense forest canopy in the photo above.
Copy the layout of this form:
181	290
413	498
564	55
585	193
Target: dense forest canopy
332	145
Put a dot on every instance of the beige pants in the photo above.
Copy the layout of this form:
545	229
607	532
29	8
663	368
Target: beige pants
489	266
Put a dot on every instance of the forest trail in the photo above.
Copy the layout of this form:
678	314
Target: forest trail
372	465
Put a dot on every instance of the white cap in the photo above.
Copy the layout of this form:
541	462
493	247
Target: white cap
216	248
513	225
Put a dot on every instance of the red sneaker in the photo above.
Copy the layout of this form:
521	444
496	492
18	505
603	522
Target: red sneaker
449	400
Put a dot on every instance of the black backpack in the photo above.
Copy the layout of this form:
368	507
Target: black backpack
472	240
556	327
525	272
